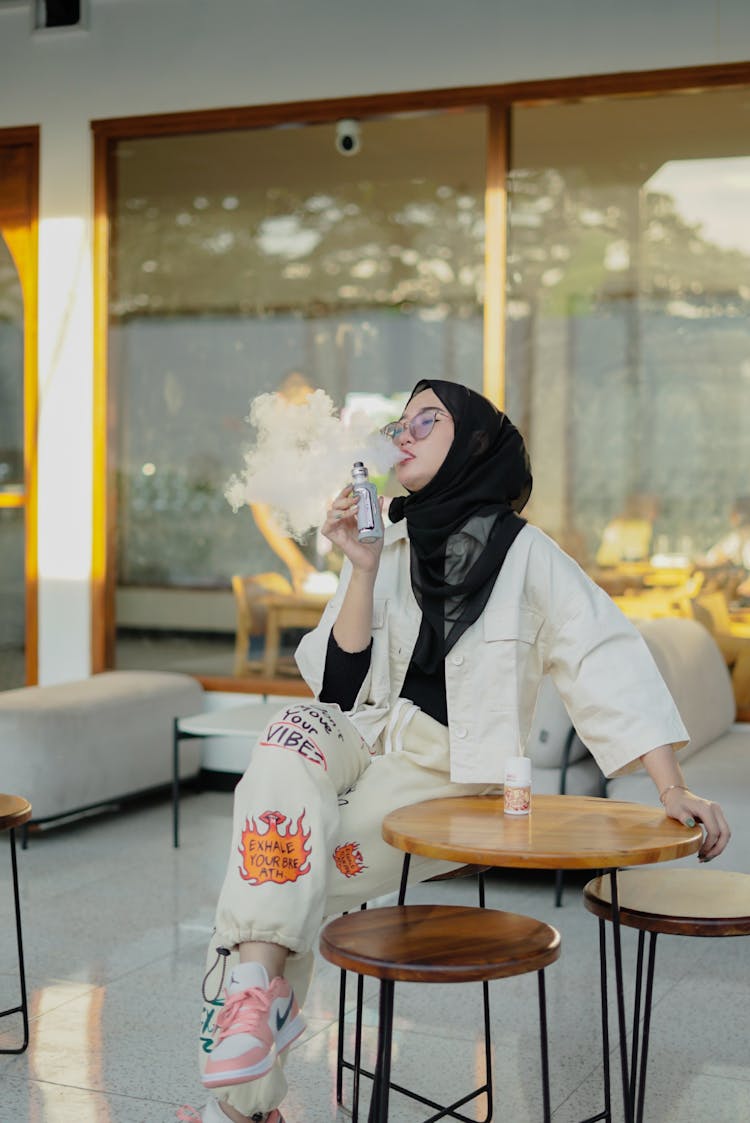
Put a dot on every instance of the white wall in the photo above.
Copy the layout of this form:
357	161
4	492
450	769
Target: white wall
156	56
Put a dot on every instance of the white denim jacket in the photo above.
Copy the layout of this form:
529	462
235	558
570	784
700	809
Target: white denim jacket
544	616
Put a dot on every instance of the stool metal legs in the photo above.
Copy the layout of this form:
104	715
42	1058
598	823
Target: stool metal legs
639	1060
633	1069
382	1082
356	1065
23	1009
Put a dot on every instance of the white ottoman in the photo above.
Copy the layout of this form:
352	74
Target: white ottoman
75	745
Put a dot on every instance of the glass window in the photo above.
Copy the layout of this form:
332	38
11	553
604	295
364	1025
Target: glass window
237	258
628	330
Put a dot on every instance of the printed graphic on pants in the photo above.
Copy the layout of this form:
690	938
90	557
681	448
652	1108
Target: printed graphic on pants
348	859
208	1023
295	733
271	853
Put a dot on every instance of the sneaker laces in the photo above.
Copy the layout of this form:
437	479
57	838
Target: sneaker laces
242	1016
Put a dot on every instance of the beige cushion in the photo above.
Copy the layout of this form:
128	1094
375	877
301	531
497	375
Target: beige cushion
697	677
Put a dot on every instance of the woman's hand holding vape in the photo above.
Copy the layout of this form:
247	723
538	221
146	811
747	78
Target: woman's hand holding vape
341	528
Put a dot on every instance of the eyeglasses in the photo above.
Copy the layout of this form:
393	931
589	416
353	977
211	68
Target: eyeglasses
419	427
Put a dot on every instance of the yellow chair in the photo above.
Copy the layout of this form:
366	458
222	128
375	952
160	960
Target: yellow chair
733	640
712	610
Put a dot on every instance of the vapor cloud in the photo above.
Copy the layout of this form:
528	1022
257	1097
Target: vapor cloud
302	456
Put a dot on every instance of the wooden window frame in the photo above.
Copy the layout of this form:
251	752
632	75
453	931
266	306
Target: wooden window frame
25	253
498	100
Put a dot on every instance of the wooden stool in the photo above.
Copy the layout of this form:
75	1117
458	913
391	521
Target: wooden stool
355	1066
14	812
438	944
691	902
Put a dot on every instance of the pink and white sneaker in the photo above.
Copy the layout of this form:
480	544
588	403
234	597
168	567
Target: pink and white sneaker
212	1113
259	1020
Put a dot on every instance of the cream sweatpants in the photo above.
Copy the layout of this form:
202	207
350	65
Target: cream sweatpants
306	843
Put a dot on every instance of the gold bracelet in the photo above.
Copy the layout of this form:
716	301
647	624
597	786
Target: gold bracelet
681	787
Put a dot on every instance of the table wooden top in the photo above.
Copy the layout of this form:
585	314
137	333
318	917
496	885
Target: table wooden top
562	832
14	811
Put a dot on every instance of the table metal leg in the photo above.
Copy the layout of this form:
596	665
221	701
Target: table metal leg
544	1049
23	1009
176	783
404	878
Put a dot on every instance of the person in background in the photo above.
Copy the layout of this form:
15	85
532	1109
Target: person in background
462	600
734	548
295	389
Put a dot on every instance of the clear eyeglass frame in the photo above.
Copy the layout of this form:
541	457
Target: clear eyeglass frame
419	427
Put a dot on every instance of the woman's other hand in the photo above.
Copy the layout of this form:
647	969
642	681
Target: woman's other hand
681	804
340	527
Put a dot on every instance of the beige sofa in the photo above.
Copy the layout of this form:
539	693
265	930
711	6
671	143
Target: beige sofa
716	762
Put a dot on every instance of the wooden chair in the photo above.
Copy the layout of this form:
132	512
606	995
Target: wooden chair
15	812
249	593
694	902
439	944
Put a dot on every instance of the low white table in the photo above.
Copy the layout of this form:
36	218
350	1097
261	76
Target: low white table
248	721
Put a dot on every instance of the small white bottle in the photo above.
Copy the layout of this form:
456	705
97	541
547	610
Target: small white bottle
369	521
517	787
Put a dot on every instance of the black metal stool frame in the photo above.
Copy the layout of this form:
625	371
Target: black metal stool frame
627	1066
23	1009
355	1066
382	1083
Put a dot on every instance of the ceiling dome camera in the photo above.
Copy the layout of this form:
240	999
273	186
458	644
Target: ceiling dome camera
348	137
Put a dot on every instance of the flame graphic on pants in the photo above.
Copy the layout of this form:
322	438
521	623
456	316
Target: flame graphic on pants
348	859
273	855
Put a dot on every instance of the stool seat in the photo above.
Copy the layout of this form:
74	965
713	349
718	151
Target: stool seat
14	811
694	902
439	943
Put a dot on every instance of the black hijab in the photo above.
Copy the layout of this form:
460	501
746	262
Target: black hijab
464	521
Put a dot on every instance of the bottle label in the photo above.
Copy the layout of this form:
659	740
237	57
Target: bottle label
365	512
516	801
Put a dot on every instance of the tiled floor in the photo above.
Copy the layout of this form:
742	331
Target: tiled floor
116	924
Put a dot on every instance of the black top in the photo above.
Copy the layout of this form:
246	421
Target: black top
345	672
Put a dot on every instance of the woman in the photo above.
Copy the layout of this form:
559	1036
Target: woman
463	601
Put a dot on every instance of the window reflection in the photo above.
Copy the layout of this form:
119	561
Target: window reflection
66	1053
237	258
629	247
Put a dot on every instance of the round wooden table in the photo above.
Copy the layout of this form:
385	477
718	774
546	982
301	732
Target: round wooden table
562	832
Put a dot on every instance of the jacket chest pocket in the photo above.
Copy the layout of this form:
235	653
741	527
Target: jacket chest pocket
521	626
509	658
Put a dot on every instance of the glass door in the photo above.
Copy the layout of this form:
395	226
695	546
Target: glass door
18	618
